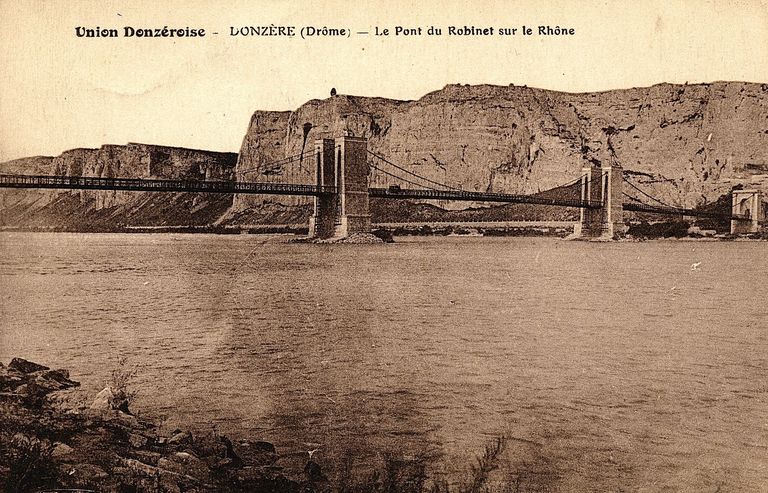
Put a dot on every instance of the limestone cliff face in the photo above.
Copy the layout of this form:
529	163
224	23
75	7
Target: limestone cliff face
146	161
35	165
141	161
687	144
275	135
80	209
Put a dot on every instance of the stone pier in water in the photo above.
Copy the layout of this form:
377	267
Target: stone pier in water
601	185
749	205
341	163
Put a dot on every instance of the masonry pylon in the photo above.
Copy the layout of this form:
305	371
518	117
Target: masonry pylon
342	164
603	186
749	205
321	224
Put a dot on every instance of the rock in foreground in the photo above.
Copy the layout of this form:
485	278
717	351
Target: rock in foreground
45	444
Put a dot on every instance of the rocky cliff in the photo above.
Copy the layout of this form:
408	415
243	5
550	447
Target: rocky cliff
104	210
685	144
688	144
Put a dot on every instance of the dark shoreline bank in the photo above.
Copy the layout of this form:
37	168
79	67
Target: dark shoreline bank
636	232
50	443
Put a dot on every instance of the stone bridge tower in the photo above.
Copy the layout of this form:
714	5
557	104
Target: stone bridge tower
601	185
343	165
748	204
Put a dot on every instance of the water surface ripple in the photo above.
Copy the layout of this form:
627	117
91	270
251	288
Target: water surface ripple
608	364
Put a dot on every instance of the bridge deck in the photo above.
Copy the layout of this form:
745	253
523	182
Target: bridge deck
651	209
147	185
461	195
207	186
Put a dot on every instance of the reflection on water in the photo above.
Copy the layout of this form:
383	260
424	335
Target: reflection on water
615	360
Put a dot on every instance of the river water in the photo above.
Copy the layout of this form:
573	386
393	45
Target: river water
607	366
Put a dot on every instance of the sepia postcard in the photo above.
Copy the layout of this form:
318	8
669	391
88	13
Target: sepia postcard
330	246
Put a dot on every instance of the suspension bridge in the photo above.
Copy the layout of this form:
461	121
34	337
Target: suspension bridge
343	174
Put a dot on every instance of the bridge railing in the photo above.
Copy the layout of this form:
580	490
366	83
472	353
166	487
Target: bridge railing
676	211
462	195
393	192
164	185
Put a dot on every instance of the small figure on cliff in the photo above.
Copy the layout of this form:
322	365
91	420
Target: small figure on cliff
333	91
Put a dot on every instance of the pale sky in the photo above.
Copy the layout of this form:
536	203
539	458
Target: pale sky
58	91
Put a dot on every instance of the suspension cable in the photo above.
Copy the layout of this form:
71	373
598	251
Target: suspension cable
448	186
670	210
632	198
406	179
443	185
647	195
570	183
285	160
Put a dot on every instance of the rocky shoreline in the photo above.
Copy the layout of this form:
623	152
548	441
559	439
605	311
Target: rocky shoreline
49	444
